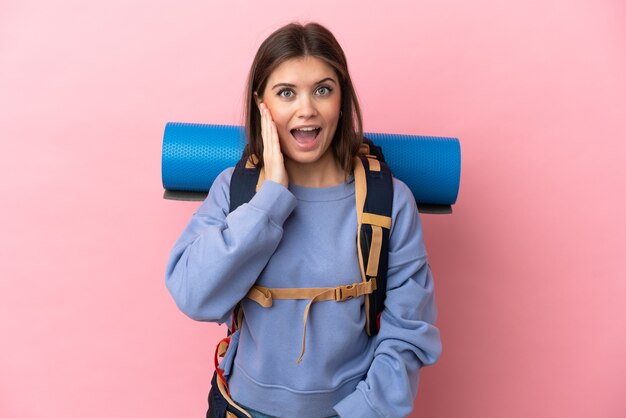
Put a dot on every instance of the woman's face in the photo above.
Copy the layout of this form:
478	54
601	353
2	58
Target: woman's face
304	93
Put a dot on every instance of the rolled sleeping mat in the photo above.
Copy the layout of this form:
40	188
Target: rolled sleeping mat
194	155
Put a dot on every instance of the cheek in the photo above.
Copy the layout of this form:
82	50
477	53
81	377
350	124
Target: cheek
281	118
279	115
332	109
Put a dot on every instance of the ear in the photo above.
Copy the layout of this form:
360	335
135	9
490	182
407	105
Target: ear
257	99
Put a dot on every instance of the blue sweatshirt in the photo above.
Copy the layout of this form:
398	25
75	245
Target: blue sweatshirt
306	237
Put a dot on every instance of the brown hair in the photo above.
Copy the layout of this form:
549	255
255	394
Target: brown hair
295	41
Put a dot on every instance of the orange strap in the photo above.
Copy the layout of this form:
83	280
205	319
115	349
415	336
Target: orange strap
265	296
360	192
222	385
369	272
220	350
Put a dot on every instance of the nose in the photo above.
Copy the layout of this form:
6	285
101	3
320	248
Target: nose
306	107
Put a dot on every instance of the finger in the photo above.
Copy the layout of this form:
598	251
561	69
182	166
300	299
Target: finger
272	133
270	129
275	139
263	126
266	134
262	120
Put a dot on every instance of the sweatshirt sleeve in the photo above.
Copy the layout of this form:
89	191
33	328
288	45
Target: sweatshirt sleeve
220	255
408	338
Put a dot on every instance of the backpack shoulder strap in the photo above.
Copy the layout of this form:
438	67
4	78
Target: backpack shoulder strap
374	197
245	181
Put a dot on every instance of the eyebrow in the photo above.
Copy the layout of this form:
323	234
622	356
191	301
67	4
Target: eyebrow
293	85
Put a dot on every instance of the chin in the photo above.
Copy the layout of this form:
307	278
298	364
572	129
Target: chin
304	157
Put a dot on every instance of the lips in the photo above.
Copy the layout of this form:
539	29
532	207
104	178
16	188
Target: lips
305	136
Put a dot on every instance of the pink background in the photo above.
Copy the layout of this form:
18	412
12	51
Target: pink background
530	269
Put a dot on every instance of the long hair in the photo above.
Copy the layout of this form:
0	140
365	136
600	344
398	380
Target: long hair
295	41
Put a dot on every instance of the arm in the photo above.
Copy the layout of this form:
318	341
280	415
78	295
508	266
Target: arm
219	255
408	338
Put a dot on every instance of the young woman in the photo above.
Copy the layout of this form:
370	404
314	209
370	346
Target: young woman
303	357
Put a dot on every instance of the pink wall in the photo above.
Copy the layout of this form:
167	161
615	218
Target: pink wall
530	268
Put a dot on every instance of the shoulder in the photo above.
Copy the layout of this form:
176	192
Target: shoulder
403	199
219	193
223	179
406	228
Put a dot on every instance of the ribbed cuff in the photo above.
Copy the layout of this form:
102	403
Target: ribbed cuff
276	200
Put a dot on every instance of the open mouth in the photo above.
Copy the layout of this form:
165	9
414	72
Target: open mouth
305	135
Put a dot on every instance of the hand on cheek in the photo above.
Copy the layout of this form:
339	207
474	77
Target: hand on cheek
272	156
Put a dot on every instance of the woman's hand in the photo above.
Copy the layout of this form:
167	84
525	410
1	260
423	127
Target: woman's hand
272	156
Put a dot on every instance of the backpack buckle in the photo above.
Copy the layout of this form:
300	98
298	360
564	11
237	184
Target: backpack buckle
345	292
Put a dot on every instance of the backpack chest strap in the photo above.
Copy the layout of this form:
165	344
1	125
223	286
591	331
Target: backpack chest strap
265	296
